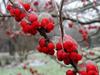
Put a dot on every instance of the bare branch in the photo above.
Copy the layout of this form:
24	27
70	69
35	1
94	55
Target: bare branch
11	2
60	19
6	16
81	22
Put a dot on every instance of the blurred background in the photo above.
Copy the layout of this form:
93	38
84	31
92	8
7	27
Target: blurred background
17	49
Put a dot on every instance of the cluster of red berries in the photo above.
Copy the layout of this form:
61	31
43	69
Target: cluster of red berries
18	13
68	52
30	27
45	47
32	24
84	34
91	69
47	24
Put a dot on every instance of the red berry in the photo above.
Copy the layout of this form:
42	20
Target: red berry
26	29
73	57
85	36
91	67
39	48
60	55
66	61
22	15
91	53
70	72
81	31
69	46
23	23
51	46
12	12
35	25
26	6
44	22
83	73
33	31
79	57
36	3
9	7
45	50
49	27
58	46
17	12
51	52
92	73
17	19
65	55
42	42
32	17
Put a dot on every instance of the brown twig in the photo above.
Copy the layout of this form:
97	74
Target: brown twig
60	19
11	2
43	33
81	22
6	16
62	31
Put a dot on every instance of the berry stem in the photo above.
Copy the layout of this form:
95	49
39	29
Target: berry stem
43	33
74	66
